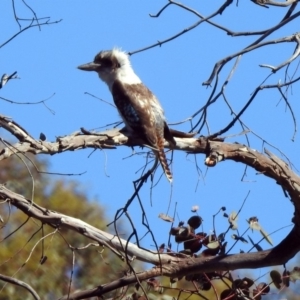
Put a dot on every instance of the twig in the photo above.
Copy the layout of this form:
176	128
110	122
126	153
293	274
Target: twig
255	45
160	43
288	61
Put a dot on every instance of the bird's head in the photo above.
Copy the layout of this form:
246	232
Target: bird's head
111	65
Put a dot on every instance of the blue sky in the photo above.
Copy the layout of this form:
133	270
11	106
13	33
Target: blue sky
47	60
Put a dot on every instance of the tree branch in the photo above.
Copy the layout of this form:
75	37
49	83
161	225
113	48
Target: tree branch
175	264
109	139
21	284
274	3
218	66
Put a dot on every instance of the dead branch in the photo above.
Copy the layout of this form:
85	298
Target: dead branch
109	139
58	220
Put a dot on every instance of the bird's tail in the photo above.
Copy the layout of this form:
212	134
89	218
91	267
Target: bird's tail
163	160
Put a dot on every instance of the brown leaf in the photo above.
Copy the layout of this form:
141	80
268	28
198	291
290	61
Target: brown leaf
193	245
183	234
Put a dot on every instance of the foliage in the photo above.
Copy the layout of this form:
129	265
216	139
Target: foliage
38	253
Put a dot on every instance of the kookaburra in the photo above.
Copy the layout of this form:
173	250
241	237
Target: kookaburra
137	105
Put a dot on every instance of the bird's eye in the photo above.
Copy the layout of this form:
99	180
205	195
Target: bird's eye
106	62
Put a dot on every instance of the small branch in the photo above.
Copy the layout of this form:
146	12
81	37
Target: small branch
160	43
27	103
290	11
255	45
228	31
5	78
293	57
274	3
271	30
160	11
291	110
21	284
31	25
258	89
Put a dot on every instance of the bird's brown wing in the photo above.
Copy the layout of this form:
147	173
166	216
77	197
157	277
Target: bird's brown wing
133	104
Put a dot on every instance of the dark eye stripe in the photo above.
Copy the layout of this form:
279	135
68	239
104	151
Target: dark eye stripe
104	61
107	61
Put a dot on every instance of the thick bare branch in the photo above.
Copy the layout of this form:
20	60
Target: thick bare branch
109	139
200	264
58	220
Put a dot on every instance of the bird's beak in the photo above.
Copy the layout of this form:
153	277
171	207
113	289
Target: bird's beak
89	67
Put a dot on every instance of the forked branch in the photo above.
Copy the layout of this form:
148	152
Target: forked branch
175	264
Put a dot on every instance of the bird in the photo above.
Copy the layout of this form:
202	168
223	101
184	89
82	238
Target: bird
139	108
